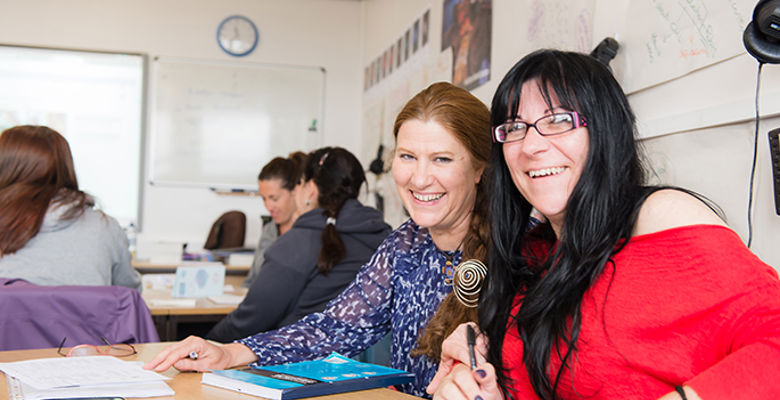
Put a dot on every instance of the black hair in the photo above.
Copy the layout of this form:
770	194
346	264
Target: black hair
600	214
338	176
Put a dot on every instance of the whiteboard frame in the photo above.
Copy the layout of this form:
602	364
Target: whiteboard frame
219	186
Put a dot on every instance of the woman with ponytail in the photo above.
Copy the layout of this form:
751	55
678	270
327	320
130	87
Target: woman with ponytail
318	256
442	148
627	290
276	185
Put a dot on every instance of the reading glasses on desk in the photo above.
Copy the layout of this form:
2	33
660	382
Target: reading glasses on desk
116	350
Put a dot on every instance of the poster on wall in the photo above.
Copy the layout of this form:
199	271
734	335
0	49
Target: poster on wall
466	28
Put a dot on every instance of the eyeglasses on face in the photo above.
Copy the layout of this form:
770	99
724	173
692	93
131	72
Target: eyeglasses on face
116	350
549	125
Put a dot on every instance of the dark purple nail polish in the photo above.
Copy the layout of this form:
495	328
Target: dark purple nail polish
478	397
482	374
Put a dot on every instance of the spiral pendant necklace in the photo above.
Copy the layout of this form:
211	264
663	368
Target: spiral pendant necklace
465	278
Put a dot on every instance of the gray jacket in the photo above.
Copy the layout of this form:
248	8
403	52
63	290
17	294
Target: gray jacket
89	250
289	285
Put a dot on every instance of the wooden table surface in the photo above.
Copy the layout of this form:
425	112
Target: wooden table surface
203	306
187	384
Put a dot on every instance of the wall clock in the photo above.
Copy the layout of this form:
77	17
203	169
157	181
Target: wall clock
237	35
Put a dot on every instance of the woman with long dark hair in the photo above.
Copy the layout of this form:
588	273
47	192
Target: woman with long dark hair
50	232
318	256
442	148
628	290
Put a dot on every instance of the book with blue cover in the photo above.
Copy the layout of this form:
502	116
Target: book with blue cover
333	374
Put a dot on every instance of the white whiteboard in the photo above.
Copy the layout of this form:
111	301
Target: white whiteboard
215	124
95	100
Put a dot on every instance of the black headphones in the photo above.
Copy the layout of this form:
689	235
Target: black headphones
762	35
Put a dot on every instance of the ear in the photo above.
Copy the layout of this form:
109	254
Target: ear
480	171
311	191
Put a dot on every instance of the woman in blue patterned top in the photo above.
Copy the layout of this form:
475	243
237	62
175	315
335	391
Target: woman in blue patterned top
442	148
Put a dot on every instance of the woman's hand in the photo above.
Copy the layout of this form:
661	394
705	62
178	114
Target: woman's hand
455	349
464	384
209	356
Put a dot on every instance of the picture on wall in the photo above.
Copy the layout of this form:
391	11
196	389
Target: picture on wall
406	44
466	27
390	52
398	53
426	19
415	35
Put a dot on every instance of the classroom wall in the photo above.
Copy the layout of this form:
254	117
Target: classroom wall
298	32
697	129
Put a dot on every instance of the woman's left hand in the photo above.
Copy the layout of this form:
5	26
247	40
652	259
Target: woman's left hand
462	383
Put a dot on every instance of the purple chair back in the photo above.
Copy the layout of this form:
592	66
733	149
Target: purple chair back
33	316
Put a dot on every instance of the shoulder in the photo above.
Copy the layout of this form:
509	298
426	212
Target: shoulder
669	208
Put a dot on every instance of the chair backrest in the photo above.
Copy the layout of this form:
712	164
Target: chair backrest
228	231
33	316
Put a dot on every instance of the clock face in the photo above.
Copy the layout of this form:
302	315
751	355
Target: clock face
237	35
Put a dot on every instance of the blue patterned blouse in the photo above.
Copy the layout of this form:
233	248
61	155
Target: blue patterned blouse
399	290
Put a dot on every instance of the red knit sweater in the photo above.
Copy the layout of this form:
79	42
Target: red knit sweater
689	305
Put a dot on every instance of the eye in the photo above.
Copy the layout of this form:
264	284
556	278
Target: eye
405	156
442	159
560	118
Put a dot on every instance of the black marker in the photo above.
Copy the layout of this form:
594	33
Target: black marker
471	340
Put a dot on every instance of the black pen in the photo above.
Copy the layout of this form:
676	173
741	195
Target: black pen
471	340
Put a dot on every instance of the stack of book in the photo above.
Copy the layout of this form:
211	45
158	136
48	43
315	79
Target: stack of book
333	374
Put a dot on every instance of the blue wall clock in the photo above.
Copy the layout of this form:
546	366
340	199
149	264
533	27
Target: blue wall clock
237	35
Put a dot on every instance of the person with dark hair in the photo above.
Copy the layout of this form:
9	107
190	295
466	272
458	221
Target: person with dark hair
442	149
276	184
320	254
50	232
627	290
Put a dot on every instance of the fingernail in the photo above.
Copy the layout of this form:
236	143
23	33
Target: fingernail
482	374
478	397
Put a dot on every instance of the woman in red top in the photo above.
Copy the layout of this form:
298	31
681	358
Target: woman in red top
627	291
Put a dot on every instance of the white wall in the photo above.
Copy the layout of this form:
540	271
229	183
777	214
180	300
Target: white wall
299	32
683	144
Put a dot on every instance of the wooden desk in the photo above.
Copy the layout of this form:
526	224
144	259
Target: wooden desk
167	318
187	384
145	267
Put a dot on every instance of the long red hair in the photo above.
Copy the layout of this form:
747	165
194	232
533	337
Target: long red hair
36	169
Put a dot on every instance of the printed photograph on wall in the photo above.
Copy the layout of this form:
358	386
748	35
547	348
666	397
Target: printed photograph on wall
398	53
466	27
384	64
390	52
378	70
407	35
415	35
426	23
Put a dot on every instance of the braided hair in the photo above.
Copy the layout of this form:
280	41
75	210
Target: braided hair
338	176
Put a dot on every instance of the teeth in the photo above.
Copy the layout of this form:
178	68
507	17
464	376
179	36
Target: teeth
546	172
427	197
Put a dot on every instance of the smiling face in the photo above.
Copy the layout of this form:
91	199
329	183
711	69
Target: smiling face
279	202
436	179
546	168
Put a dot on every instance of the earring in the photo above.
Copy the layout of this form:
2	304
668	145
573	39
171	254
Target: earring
308	203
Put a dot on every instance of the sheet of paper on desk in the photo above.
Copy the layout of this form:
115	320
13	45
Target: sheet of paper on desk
83	376
20	391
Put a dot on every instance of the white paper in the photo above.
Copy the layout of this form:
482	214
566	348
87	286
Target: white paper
49	373
21	391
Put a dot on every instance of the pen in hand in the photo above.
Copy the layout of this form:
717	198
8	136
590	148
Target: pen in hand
471	340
